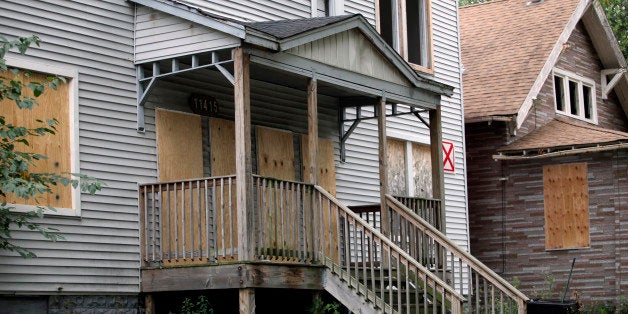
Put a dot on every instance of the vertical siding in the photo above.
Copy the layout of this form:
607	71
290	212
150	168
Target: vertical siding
358	177
159	35
255	10
100	253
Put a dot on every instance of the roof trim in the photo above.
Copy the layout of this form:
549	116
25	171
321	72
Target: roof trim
551	61
192	14
569	151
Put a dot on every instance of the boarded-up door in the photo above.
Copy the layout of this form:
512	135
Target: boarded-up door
180	157
326	164
327	180
222	141
277	213
275	153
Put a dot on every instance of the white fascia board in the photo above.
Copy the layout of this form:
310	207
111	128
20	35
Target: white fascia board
233	29
551	61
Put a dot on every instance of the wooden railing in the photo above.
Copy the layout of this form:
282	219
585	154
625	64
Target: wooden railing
427	208
486	291
188	222
374	266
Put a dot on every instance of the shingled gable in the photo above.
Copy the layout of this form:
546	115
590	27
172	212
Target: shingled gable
509	47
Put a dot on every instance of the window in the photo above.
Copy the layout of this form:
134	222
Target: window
566	200
59	148
405	25
409	168
574	96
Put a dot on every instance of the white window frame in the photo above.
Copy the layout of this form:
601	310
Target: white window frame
71	75
581	81
399	32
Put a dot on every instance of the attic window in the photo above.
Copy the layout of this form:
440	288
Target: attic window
406	26
574	96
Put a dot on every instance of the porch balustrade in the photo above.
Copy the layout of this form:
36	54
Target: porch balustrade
192	222
486	291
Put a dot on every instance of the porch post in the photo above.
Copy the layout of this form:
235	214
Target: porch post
247	301
311	175
438	176
244	172
383	166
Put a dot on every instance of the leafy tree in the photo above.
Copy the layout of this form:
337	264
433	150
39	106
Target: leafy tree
17	176
617	14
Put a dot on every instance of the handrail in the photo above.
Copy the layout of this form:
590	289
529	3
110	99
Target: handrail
393	247
473	262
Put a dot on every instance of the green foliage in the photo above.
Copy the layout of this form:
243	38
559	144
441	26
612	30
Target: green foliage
16	177
617	14
201	306
320	307
620	306
547	290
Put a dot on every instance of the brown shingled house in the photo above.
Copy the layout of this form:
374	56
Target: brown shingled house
546	103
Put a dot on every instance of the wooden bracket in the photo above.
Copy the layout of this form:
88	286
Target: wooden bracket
607	86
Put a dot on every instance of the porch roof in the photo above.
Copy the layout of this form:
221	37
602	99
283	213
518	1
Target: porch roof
278	44
562	134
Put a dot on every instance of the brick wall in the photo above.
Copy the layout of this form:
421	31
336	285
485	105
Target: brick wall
506	207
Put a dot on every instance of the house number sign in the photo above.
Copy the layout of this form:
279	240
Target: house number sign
203	105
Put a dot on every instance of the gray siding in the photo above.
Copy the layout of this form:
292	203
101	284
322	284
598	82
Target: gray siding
159	35
364	7
100	253
255	10
358	177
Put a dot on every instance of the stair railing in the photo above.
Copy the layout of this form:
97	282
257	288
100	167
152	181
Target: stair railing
486	291
374	266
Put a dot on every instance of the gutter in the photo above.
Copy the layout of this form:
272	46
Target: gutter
574	151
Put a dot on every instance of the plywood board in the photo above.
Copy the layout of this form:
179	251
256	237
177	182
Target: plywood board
275	153
326	163
566	197
222	139
52	104
422	164
180	157
395	152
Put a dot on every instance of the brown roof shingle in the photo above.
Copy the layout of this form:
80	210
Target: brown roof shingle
565	133
505	44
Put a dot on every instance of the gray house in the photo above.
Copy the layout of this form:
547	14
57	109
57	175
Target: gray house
255	152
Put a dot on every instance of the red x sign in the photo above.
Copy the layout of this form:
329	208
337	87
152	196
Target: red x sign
448	157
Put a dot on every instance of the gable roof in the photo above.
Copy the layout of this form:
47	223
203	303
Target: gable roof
509	48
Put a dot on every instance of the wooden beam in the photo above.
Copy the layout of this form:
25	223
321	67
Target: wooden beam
244	170
247	301
232	276
438	175
312	121
383	165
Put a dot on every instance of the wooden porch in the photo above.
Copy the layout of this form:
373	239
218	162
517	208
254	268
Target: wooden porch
304	238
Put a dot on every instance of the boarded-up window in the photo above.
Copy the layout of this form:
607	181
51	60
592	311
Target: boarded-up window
409	169
52	104
566	193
